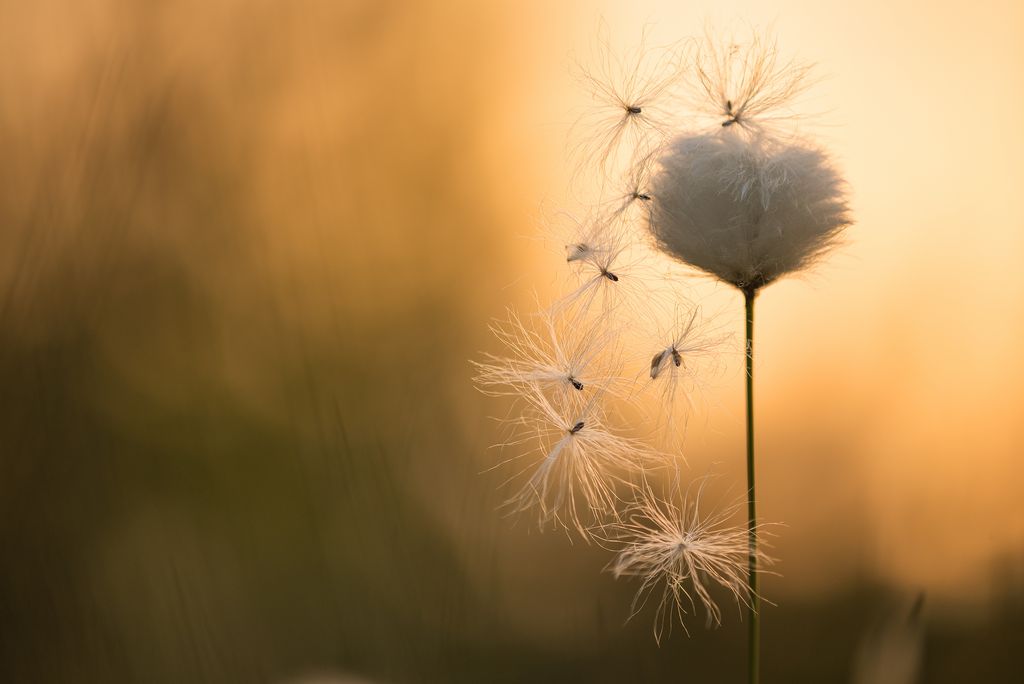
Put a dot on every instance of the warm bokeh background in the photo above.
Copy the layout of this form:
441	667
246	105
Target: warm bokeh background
247	247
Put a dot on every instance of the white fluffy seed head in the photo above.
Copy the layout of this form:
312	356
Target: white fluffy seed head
746	209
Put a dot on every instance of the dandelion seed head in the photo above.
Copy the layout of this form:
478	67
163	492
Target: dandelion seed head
746	209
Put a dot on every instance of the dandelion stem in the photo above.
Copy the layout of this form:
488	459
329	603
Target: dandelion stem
753	624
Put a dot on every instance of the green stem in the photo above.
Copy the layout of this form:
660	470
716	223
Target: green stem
754	622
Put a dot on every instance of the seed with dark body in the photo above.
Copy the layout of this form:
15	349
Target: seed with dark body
733	117
633	109
576	428
656	364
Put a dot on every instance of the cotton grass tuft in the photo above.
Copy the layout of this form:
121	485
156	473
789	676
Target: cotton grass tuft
746	209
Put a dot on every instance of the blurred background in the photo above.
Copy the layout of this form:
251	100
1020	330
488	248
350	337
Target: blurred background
247	249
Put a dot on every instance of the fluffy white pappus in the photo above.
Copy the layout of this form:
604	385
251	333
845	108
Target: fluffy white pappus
679	552
568	359
613	273
686	354
744	84
631	102
586	238
576	466
632	196
746	209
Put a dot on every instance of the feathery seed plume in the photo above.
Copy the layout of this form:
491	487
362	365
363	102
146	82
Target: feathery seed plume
631	96
576	465
550	354
745	85
677	551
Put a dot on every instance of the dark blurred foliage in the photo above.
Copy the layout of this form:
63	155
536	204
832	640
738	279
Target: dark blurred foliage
242	246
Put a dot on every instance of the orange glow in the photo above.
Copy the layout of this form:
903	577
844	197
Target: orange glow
247	249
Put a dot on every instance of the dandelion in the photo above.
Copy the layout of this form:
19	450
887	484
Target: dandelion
630	97
745	85
678	551
576	466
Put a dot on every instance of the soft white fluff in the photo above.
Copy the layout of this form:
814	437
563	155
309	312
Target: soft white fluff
574	463
566	358
746	209
685	356
631	96
678	551
744	84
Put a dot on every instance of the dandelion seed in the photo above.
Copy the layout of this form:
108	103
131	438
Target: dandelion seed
660	361
747	210
549	354
679	552
597	268
746	85
630	98
577	464
635	188
613	273
686	341
586	238
679	368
